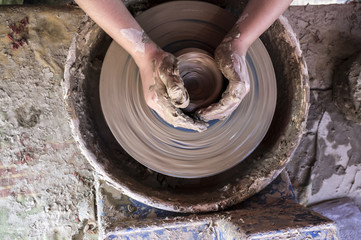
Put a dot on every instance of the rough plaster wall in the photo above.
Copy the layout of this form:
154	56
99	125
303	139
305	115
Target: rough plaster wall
46	189
327	163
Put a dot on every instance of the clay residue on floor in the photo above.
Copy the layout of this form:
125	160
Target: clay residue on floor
46	189
327	163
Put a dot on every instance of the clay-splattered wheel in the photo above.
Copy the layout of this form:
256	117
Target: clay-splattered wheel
177	152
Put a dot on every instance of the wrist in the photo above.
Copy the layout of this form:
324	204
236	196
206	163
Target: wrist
239	41
152	52
240	46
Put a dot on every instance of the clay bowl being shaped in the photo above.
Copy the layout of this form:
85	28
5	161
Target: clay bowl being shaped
175	169
202	79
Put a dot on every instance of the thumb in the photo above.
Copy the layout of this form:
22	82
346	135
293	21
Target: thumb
169	74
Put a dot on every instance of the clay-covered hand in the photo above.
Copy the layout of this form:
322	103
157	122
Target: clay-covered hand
164	91
230	57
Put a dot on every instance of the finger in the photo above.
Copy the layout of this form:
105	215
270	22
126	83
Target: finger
232	65
169	74
177	93
234	68
240	70
174	116
229	102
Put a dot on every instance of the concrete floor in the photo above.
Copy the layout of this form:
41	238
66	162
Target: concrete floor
47	188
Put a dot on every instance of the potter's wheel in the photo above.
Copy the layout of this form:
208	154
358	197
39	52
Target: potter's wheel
177	152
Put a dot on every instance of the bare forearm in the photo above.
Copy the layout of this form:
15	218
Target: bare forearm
257	17
230	55
114	18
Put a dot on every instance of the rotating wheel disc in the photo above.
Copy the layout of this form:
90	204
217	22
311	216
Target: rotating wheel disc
172	151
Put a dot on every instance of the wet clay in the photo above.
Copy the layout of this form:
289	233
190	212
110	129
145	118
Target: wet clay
238	87
177	152
194	72
234	68
167	94
202	79
169	74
